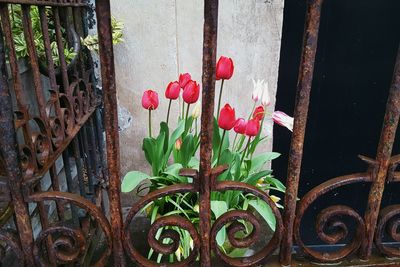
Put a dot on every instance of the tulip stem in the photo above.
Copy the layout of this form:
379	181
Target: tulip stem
220	146
234	141
150	123
187	115
183	109
220	96
252	111
245	150
169	109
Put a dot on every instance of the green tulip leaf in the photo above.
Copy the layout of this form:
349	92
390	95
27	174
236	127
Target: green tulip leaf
219	208
132	180
265	211
259	161
253	179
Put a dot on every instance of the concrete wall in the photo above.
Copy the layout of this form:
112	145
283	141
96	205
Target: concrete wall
164	38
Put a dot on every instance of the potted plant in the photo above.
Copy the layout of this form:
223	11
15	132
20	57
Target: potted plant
170	151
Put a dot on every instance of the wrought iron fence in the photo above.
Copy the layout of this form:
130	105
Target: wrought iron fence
53	170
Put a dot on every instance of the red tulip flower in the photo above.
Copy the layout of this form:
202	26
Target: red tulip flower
184	79
252	127
150	100
240	126
227	119
224	68
173	90
191	92
259	113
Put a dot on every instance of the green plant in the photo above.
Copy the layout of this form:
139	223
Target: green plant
19	38
168	153
92	41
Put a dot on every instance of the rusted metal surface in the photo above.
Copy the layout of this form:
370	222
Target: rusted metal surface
157	245
383	158
9	153
67	124
111	125
329	218
234	217
300	122
67	252
208	95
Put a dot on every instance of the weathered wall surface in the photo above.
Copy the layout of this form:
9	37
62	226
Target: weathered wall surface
164	38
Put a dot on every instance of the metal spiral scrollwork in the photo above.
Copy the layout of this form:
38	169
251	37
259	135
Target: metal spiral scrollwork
331	219
69	244
10	240
168	221
389	221
233	217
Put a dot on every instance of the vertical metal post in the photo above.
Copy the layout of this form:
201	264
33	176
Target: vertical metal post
208	95
9	152
300	121
111	125
384	154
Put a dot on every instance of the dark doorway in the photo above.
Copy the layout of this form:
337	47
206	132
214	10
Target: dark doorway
356	53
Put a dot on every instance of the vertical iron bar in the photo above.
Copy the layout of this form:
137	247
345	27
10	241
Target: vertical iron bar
70	185
300	121
60	47
30	43
17	83
79	166
208	95
384	154
94	151
50	63
88	158
111	125
55	185
9	152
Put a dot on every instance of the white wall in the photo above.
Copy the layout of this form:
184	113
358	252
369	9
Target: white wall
164	38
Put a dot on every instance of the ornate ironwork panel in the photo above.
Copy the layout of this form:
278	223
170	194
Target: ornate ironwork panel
55	166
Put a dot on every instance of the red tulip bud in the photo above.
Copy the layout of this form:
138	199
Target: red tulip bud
191	92
173	90
227	118
150	100
184	79
240	126
252	127
224	68
259	113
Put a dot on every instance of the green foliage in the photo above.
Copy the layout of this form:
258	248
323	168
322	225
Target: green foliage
92	41
19	37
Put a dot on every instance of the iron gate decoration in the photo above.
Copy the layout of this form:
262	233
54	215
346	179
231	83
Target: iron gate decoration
66	125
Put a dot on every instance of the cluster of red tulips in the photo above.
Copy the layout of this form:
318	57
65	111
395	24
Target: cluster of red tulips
226	117
191	92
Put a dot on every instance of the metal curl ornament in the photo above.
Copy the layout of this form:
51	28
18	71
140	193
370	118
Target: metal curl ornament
389	220
233	217
329	218
168	221
68	245
13	243
73	238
